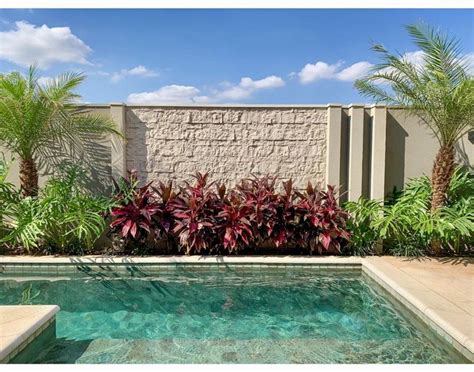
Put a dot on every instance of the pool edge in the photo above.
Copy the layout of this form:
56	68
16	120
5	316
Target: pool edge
20	330
388	278
429	316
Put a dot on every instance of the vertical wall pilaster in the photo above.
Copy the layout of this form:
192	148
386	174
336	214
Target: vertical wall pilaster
356	151
333	145
118	147
379	141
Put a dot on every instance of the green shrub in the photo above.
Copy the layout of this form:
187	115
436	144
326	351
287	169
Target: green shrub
62	219
364	233
406	224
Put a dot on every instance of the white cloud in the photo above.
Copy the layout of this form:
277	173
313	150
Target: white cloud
266	83
356	71
167	94
417	57
141	71
45	46
322	70
247	86
190	94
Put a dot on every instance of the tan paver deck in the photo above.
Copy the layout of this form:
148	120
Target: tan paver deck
19	325
440	291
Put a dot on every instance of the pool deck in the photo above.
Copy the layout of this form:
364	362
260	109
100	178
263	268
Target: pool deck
439	291
20	325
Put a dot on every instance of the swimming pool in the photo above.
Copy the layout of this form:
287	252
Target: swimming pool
226	314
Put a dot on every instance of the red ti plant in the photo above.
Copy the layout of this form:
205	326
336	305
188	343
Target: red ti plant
195	210
286	227
324	220
258	195
235	229
164	217
137	205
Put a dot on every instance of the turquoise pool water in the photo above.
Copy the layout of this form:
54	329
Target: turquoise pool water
226	316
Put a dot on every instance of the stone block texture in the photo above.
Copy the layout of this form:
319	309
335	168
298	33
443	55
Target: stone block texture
172	143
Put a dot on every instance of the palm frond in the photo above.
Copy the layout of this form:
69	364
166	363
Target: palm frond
44	122
441	52
439	90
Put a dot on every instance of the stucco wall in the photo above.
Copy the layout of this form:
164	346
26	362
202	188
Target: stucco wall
99	163
411	149
231	142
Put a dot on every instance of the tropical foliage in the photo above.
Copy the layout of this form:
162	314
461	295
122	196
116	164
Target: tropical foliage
407	225
204	217
438	89
40	121
64	218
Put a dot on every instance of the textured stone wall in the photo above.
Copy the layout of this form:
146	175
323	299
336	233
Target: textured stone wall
230	142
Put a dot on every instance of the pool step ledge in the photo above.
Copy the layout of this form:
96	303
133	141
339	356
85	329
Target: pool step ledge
442	314
20	325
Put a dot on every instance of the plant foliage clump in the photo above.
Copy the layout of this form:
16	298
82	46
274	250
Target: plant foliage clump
64	218
205	217
406	223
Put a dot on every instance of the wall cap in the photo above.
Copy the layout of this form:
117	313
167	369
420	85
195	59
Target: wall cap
234	105
229	105
237	105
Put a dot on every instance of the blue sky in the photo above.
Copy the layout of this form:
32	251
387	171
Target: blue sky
215	56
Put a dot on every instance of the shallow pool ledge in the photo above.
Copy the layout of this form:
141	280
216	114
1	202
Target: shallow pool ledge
20	325
441	294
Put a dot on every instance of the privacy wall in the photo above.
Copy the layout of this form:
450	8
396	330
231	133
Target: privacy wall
366	150
232	143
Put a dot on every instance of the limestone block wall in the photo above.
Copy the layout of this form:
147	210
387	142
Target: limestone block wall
230	142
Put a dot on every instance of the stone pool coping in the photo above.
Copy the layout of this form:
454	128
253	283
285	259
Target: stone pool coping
445	314
123	260
20	325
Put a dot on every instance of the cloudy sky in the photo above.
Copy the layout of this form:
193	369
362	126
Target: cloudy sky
214	56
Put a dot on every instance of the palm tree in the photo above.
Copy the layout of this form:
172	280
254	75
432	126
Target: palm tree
439	90
36	119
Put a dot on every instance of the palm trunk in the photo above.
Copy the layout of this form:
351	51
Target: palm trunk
443	169
28	177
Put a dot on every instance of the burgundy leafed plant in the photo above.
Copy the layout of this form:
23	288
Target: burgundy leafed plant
195	215
164	216
134	217
258	195
234	227
208	219
286	228
325	220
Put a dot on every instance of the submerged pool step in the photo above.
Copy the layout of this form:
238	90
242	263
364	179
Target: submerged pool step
232	351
